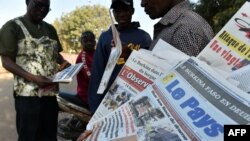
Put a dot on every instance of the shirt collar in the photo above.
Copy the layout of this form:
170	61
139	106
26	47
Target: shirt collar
133	25
173	14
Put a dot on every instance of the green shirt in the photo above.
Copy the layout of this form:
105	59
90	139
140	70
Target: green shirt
11	33
37	53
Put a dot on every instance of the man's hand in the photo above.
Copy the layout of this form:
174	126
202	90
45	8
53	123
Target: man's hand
42	81
84	135
126	51
64	65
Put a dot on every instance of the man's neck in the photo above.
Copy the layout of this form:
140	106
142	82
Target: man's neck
124	27
27	16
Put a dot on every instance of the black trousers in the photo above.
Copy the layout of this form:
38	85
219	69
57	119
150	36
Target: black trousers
36	118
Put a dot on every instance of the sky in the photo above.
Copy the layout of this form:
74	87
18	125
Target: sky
14	8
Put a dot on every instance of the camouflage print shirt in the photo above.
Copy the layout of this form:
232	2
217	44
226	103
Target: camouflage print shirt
35	55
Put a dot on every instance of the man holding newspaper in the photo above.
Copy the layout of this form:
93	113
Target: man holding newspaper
130	34
30	50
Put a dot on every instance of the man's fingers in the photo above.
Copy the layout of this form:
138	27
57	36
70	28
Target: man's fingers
84	135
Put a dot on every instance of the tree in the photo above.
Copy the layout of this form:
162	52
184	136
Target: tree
217	12
71	25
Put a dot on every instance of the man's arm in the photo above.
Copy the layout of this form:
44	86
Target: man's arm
10	65
63	63
60	60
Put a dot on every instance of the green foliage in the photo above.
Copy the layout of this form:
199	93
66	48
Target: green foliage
217	12
70	26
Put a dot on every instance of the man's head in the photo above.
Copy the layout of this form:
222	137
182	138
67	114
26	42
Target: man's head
37	10
88	40
123	11
158	8
126	2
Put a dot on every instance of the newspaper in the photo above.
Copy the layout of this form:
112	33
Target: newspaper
138	119
167	52
242	75
229	50
113	58
64	76
146	66
190	102
139	71
68	73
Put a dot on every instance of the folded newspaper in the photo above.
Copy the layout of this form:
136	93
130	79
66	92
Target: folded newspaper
229	50
113	58
67	74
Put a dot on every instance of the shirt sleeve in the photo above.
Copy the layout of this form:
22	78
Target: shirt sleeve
8	39
55	37
79	58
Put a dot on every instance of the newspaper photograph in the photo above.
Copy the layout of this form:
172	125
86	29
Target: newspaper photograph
229	50
139	119
191	102
242	75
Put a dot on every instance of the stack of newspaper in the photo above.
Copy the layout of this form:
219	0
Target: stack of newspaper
190	102
139	71
160	97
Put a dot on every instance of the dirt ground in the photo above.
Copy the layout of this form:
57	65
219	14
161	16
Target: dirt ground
7	111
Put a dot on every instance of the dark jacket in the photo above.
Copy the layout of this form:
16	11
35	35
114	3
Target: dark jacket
132	35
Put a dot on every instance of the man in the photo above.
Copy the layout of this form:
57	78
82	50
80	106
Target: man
130	35
88	44
30	50
86	57
71	127
179	25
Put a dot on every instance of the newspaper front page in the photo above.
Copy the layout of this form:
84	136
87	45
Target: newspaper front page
190	102
229	50
139	71
201	102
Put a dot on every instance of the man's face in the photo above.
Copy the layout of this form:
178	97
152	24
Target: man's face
38	9
88	42
156	8
123	14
